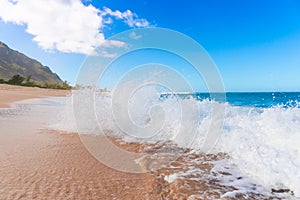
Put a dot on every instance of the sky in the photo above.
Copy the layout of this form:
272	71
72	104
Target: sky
255	44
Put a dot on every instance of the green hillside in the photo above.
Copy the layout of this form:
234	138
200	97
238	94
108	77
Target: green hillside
13	62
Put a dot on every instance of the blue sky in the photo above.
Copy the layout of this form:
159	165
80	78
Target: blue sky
255	44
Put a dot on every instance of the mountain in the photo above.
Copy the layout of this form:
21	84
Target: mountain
13	62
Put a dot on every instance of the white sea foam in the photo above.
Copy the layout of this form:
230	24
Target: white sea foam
263	143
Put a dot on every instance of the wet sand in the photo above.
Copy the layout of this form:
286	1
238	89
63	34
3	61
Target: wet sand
51	165
37	163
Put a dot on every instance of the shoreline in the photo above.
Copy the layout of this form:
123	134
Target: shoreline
11	94
38	163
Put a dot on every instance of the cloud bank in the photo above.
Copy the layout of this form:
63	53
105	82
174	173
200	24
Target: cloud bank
66	25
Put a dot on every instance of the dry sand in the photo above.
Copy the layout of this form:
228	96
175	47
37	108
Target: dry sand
12	93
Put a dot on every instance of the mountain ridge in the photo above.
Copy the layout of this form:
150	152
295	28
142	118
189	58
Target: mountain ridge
13	62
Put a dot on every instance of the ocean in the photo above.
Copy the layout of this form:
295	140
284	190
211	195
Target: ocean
259	135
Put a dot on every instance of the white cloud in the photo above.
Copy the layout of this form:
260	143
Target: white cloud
129	17
65	25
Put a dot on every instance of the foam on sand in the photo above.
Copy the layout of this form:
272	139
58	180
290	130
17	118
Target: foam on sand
262	143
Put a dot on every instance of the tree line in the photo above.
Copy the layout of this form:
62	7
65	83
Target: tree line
20	80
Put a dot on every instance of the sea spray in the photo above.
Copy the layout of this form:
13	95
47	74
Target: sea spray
261	139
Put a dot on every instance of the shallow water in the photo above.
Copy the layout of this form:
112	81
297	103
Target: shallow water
256	152
260	133
40	164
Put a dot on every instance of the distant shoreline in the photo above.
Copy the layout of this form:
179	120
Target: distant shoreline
14	93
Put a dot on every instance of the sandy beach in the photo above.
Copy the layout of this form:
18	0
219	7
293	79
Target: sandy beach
13	93
38	163
43	164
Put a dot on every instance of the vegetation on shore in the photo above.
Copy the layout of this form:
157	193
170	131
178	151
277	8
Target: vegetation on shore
22	81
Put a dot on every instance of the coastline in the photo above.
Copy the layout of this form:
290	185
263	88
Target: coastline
38	163
13	93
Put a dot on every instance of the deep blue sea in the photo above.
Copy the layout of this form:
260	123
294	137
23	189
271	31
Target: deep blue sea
256	99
